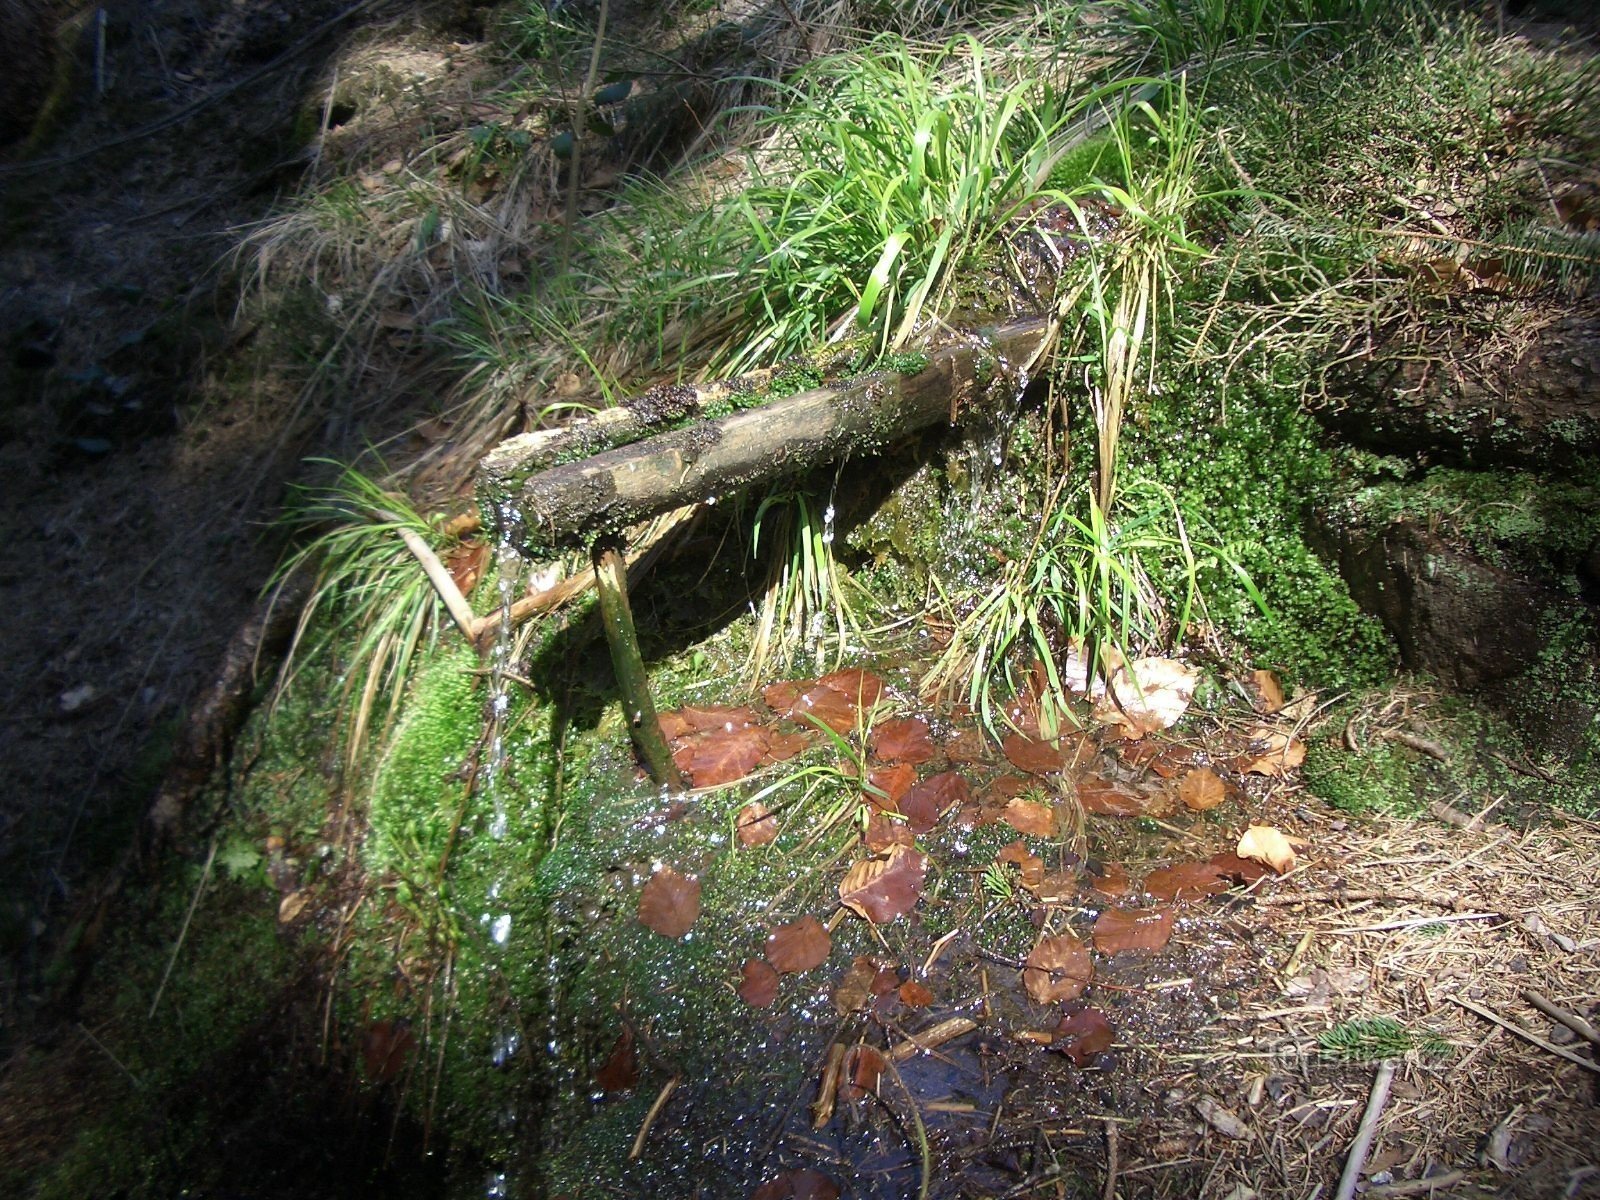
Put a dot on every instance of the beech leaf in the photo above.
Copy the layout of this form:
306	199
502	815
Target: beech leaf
894	782
759	986
1029	816
861	688
1059	967
1108	799
1202	789
1145	930
1033	755
720	756
915	995
620	1071
883	831
905	740
755	825
1272	752
694	718
1029	865
881	889
800	1184
670	903
1148	694
1084	1034
1264	843
1186	881
929	800
1110	880
798	946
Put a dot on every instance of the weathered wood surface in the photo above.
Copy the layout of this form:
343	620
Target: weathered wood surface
711	459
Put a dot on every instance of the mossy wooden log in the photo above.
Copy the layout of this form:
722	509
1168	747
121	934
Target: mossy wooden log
711	459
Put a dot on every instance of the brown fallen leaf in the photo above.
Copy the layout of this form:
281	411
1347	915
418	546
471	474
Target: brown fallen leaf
1029	865
1147	695
1144	930
929	800
1059	967
881	889
1186	881
803	1184
1110	879
1272	752
822	705
967	746
781	747
906	740
759	984
1106	798
1202	789
1266	692
669	903
1265	843
892	782
863	1067
1083	1034
755	825
1029	816
798	946
884	830
1033	755
915	995
385	1048
720	756
620	1071
853	992
679	723
861	688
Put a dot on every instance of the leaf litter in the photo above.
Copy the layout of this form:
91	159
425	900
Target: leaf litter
1122	838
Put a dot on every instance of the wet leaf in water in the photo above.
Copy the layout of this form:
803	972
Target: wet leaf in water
1029	816
620	1071
1083	1034
1032	755
1029	865
679	723
863	1068
825	706
1059	967
1202	789
894	782
1239	869
1110	880
853	992
1057	887
720	756
670	903
385	1048
1186	881
781	747
906	740
881	889
803	1184
929	800
1144	930
1266	692
1272	752
1004	787
884	830
861	688
759	984
1265	843
755	825
780	697
1108	799
966	747
798	946
915	995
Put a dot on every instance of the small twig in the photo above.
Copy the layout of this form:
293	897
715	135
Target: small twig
1365	1132
194	903
1417	1187
1110	1192
922	1131
454	601
650	1117
1570	1019
1538	1041
1420	744
1524	768
104	1049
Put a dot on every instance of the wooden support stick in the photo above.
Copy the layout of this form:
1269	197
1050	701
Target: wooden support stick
1366	1131
638	708
1570	1019
439	576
